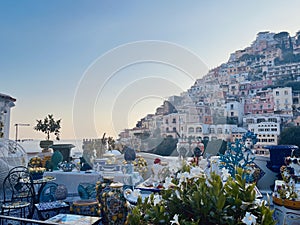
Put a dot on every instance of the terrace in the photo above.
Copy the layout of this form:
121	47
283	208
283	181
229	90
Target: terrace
99	195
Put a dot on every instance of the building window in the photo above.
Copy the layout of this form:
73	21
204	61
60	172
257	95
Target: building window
167	130
191	130
231	113
212	130
174	129
219	131
261	120
167	121
198	129
231	106
286	92
277	93
174	120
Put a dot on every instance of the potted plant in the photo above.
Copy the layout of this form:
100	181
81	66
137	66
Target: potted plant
193	198
48	126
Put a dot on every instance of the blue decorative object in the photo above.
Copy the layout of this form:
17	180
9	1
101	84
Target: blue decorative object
114	204
251	136
61	192
129	154
48	192
66	167
36	175
64	149
278	154
56	158
237	156
87	191
127	168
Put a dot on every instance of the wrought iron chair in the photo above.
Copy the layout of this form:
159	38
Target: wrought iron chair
18	193
19	168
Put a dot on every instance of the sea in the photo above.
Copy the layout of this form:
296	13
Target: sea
32	147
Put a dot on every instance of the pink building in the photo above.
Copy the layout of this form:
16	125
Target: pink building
250	88
263	102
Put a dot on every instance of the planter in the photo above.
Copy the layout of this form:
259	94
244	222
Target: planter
278	201
64	149
277	155
45	144
37	175
292	204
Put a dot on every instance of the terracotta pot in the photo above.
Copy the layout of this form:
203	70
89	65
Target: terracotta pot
292	204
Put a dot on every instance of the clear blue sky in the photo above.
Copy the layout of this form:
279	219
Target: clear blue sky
47	46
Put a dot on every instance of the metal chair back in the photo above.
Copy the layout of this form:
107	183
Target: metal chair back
18	191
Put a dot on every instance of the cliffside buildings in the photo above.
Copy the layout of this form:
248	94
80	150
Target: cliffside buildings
255	90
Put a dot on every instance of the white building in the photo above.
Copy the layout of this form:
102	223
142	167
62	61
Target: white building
267	133
283	100
6	102
235	111
173	124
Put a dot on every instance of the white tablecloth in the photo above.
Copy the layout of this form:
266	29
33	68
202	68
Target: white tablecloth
127	179
72	179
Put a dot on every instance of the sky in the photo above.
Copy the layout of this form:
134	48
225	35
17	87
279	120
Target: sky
100	66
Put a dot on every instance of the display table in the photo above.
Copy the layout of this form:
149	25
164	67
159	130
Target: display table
126	179
285	216
74	219
72	179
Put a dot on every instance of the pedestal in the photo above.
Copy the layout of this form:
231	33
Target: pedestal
64	149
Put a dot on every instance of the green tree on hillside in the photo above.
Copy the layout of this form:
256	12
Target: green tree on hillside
290	136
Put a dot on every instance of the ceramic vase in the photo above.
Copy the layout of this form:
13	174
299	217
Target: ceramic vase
115	204
102	188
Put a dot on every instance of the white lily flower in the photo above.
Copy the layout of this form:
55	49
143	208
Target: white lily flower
168	183
195	172
249	219
177	194
183	177
136	193
225	174
156	199
175	220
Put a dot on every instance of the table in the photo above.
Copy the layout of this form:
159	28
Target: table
74	219
72	179
286	216
127	179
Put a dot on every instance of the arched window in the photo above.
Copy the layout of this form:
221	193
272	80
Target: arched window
198	129
191	130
